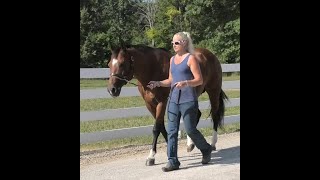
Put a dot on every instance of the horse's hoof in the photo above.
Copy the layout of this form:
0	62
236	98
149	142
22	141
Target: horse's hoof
190	148
214	148
150	162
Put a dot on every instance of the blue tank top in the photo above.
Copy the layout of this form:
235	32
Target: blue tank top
182	72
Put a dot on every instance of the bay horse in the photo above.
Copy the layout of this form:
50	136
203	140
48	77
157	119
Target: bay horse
152	64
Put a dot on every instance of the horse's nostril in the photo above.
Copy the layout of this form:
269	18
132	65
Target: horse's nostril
113	90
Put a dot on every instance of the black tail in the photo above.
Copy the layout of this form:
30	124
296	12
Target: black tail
218	117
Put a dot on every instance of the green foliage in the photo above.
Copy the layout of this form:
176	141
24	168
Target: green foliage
104	23
171	13
226	43
92	51
212	24
151	33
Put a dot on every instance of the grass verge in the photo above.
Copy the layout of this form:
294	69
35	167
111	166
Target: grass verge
136	101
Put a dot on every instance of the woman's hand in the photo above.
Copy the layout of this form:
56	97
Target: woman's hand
153	84
181	84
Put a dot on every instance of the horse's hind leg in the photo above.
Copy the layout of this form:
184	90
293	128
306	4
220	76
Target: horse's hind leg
190	143
214	95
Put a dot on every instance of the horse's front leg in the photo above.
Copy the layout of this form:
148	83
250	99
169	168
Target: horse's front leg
158	113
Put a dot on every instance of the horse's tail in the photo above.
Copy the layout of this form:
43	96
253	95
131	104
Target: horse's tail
218	116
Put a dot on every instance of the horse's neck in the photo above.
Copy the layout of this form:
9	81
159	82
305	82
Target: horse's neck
147	67
141	68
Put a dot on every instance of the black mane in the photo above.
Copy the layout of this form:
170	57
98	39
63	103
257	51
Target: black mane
140	47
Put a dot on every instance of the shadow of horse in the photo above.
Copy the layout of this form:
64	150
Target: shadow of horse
224	156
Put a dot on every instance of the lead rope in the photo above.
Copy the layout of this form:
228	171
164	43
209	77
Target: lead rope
123	79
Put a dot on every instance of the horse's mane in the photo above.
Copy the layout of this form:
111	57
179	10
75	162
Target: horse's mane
142	47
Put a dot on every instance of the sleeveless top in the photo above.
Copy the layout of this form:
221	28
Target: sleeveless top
182	72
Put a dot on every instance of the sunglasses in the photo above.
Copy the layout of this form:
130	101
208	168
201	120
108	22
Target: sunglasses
176	42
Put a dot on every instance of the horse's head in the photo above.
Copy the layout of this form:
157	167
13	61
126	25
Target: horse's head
121	70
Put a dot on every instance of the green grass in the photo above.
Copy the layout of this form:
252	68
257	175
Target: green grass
126	102
102	83
231	76
147	140
93	83
101	125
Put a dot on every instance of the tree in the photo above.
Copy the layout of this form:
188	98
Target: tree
102	24
212	23
147	11
226	42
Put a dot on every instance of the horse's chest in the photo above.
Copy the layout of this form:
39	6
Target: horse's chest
150	97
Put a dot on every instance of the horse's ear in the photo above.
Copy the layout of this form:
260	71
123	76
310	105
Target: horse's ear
113	48
123	47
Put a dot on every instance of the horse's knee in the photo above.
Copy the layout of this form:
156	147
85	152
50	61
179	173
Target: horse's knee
159	127
156	131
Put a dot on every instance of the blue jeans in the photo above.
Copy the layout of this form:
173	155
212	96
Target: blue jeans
189	111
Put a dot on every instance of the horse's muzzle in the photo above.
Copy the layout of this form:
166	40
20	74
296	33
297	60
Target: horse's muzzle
114	91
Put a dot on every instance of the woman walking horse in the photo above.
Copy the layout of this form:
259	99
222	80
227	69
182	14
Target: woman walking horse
152	64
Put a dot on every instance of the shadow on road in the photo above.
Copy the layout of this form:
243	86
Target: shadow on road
223	156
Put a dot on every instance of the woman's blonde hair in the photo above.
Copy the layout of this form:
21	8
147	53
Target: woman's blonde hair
185	36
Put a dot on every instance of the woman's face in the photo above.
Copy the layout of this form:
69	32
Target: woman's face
177	43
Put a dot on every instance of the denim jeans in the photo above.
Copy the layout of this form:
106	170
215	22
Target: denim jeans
188	111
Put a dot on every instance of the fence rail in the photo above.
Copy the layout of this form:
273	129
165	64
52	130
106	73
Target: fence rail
88	73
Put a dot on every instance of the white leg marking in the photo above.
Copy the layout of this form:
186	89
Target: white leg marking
189	141
214	138
179	132
151	154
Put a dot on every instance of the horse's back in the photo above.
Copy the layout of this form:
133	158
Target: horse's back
210	67
206	56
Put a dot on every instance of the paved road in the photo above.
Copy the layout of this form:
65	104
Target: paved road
225	163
